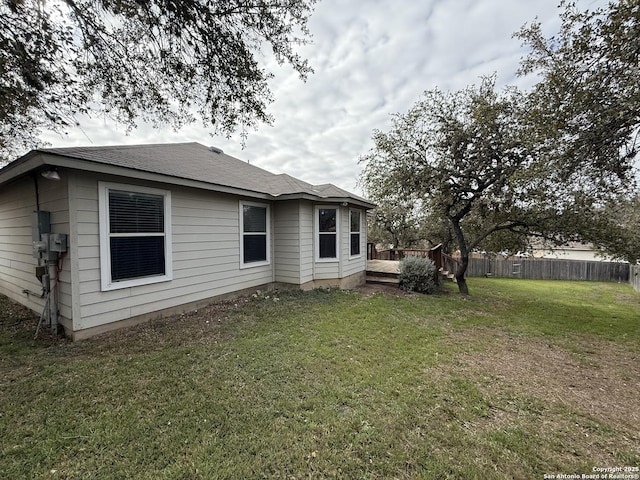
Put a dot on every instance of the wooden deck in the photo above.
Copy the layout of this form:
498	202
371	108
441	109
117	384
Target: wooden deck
388	271
383	266
383	271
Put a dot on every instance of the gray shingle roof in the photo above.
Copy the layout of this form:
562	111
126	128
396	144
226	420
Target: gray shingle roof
194	161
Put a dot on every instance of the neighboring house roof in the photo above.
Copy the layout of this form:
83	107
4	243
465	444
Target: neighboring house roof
569	251
184	161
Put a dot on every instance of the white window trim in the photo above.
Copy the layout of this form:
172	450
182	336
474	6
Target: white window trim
242	234
317	233
105	245
359	232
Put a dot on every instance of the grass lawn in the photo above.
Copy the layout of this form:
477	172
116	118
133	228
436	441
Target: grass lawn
522	379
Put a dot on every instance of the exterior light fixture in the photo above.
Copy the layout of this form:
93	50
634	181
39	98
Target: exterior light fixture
51	174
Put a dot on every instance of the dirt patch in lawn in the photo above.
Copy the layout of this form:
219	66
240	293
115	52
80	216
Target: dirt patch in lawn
369	289
589	385
202	326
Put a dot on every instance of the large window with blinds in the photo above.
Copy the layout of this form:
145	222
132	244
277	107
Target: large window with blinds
254	234
135	235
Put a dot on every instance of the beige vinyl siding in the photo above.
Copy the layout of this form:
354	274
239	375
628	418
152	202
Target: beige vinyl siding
17	264
206	256
286	243
85	250
327	270
306	242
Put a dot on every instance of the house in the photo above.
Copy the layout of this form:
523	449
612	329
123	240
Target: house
97	238
570	251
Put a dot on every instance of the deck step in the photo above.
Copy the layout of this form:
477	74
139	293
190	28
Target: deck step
382	280
378	273
447	276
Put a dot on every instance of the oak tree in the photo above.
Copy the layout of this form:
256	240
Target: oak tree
585	117
463	153
162	61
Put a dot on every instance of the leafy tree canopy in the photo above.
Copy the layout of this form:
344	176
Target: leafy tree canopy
154	60
587	103
615	229
395	224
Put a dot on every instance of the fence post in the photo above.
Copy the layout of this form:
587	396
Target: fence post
435	254
634	277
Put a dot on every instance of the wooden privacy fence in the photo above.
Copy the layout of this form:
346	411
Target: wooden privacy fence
529	268
548	269
634	276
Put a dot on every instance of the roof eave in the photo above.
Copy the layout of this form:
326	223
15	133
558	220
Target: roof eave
22	166
36	159
315	198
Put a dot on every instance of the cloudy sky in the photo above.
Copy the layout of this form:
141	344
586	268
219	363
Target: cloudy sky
371	58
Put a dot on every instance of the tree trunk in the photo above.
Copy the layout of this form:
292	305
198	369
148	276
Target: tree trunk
464	257
460	272
396	240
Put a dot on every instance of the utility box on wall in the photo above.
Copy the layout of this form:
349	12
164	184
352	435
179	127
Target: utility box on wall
58	242
52	245
46	245
40	224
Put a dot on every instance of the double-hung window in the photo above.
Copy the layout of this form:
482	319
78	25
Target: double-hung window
354	233
254	234
327	233
135	235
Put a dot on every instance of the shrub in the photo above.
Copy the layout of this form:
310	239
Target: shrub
417	275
